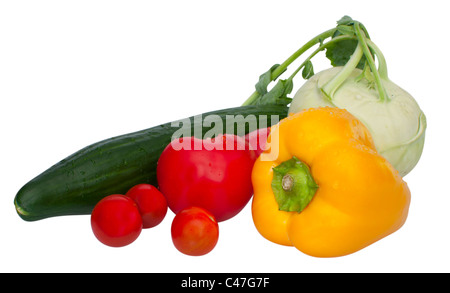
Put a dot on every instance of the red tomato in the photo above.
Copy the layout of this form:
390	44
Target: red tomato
257	139
151	203
194	231
116	220
212	174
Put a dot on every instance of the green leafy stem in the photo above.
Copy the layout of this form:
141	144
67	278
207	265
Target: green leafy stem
347	45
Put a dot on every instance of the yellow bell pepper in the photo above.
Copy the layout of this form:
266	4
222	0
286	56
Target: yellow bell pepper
326	191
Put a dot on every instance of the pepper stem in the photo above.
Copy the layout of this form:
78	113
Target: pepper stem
287	182
293	185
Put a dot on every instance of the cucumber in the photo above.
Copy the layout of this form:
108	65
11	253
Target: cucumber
74	185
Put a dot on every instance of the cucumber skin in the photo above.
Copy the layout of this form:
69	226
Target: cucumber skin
112	166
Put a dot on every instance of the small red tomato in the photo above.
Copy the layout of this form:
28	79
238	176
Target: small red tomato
195	231
256	140
116	220
151	203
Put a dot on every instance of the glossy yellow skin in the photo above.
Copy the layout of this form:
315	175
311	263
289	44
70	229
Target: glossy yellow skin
361	198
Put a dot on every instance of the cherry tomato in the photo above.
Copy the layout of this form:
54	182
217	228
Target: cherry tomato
116	220
151	203
214	174
195	231
257	139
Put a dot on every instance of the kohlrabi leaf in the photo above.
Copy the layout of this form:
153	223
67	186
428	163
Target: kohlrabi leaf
345	30
278	94
339	53
345	20
308	70
264	80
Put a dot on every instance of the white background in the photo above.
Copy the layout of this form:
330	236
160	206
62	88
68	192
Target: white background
76	72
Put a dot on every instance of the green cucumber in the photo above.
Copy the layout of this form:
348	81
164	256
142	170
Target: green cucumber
112	166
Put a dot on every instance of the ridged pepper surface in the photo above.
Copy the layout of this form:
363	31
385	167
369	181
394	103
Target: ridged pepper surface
322	187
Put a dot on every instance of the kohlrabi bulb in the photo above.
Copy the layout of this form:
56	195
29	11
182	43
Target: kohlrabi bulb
397	124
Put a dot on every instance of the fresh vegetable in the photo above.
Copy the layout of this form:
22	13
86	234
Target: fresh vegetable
151	203
214	174
74	185
116	220
355	83
256	140
328	193
195	231
327	181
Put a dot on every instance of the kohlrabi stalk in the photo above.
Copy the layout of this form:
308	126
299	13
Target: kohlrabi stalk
274	74
355	83
382	65
361	50
330	88
362	41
